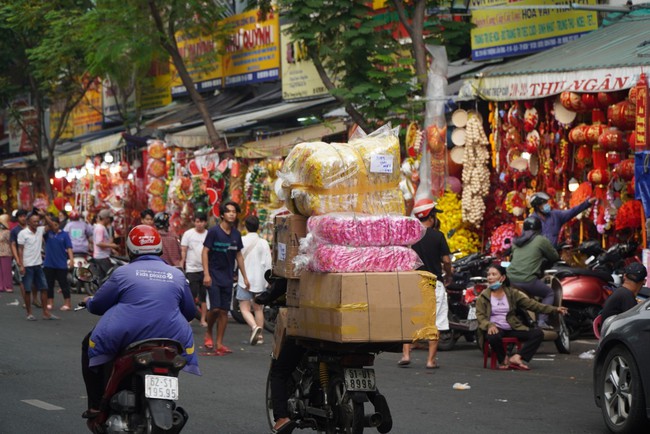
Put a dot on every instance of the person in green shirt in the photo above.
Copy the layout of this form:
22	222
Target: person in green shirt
531	252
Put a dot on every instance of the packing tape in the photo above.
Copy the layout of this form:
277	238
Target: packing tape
351	307
426	311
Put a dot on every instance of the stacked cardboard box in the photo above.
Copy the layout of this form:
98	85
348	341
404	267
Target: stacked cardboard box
365	307
289	230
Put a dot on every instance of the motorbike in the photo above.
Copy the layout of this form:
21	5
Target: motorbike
94	284
468	282
586	289
330	387
80	260
141	393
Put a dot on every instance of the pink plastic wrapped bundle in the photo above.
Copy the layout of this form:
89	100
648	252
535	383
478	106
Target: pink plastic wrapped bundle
359	230
331	258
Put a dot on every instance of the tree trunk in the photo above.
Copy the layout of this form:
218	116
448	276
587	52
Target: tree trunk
415	29
168	42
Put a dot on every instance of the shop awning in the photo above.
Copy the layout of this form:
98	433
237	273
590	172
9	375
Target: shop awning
605	60
198	136
102	145
279	146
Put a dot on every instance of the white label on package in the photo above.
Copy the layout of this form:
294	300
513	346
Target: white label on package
282	252
381	164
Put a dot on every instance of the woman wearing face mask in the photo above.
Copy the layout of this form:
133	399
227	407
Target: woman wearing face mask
496	313
553	219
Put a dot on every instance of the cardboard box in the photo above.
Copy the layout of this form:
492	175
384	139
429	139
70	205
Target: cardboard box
293	286
365	307
288	231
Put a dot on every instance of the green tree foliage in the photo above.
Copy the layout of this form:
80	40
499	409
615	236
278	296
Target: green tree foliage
358	58
40	48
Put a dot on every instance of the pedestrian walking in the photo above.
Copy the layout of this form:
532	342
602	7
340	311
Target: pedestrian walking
434	252
30	244
146	217
221	250
191	251
6	280
171	247
58	258
80	232
20	216
257	258
103	243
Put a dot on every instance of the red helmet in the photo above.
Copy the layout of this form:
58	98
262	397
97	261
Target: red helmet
74	215
424	207
144	240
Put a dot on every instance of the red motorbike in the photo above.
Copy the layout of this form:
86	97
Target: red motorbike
586	289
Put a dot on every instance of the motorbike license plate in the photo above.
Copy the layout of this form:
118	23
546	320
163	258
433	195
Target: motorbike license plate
471	314
160	387
360	380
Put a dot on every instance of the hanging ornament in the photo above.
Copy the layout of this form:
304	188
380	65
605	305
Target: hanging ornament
622	115
578	134
612	139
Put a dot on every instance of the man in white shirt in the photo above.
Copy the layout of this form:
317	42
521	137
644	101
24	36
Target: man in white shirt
257	259
191	251
103	243
30	245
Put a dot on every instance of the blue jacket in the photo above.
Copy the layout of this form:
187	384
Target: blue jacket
144	299
553	221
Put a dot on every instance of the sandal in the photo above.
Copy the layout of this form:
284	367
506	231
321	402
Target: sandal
207	342
404	362
519	367
503	367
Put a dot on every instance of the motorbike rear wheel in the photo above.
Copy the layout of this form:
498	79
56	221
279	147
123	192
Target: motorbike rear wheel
563	341
447	340
348	414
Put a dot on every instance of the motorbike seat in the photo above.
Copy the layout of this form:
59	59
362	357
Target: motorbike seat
573	272
155	342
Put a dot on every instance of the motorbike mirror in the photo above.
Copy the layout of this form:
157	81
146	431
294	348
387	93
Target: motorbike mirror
84	274
505	264
589	260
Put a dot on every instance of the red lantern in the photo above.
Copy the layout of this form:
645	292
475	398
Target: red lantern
625	169
572	101
578	134
613	157
59	203
598	176
612	139
515	116
605	99
622	115
632	95
590	100
593	132
512	138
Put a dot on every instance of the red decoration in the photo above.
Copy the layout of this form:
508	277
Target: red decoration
625	169
629	215
605	99
590	100
641	136
593	132
573	101
612	139
583	156
578	134
622	115
598	176
59	202
613	157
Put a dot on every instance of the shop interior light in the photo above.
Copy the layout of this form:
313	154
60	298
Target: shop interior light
525	155
108	157
573	185
89	164
115	169
58	174
68	207
136	164
82	173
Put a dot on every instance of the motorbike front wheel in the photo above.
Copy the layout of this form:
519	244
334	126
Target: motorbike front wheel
447	340
563	341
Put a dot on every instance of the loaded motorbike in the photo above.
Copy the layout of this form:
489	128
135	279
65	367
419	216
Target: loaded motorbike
333	390
141	393
468	282
332	387
586	289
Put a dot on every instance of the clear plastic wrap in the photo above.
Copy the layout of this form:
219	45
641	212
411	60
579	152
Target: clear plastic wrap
362	175
332	258
363	230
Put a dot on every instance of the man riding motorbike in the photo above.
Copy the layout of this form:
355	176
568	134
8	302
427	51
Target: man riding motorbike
132	301
553	219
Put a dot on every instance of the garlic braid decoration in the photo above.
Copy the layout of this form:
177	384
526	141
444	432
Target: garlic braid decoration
476	175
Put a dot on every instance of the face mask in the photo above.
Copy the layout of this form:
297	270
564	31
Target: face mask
495	286
546	208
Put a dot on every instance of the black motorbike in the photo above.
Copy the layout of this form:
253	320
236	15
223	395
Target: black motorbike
468	282
333	390
92	286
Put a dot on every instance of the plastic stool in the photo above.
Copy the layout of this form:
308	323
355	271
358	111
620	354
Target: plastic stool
493	354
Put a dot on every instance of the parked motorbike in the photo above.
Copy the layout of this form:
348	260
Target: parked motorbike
329	389
586	289
141	393
80	260
468	282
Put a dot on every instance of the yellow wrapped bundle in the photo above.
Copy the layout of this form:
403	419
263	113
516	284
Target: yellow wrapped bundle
361	176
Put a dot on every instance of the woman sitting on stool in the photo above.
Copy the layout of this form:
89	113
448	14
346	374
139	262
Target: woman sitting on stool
496	312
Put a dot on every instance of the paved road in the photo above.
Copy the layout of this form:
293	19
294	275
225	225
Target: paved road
41	390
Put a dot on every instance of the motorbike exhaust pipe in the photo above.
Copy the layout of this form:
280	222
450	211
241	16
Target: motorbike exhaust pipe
373	420
462	326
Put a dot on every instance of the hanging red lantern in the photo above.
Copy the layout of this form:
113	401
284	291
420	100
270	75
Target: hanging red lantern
612	139
59	202
590	100
578	134
613	157
605	99
593	132
572	101
598	176
631	96
598	157
512	138
622	115
625	169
